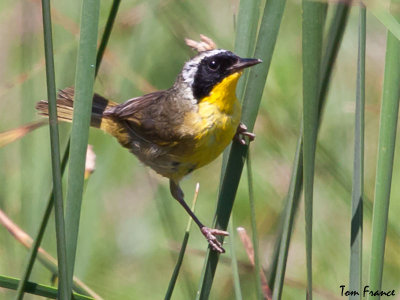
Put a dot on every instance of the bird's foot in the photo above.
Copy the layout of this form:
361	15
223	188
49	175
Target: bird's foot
210	235
241	132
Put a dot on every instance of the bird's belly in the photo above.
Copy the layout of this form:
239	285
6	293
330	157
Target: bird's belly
212	133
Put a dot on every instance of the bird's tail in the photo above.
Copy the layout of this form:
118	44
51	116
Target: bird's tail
65	103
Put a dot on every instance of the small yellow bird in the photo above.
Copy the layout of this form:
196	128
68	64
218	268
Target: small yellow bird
177	130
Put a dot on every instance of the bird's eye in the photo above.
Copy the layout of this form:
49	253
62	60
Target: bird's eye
213	65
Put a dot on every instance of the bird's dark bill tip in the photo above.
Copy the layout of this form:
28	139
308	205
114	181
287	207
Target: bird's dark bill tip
243	63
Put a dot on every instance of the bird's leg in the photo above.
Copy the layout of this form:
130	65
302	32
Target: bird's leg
241	131
209	233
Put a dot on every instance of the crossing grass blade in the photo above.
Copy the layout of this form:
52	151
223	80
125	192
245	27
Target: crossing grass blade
386	146
266	40
37	289
313	21
355	281
386	18
84	80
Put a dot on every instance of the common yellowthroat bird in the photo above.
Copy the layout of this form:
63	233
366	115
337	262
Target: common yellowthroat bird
177	130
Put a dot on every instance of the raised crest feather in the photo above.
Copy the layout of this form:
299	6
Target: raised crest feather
205	44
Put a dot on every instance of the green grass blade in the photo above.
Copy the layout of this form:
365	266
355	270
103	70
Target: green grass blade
257	266
334	39
170	227
177	268
64	288
246	35
313	23
175	273
264	49
106	34
33	250
265	45
84	80
387	19
292	203
246	29
36	289
178	265
386	144
234	262
224	207
37	241
65	157
333	42
355	281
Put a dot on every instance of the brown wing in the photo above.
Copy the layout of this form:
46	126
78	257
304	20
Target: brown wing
131	108
153	117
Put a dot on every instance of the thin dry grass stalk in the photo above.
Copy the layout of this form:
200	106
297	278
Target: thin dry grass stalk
248	246
22	237
9	136
12	135
110	58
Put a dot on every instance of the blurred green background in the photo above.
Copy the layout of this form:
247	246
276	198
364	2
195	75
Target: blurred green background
131	228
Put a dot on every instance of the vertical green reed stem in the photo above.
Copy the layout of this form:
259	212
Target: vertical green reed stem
257	266
313	24
292	202
246	36
63	284
355	281
107	33
334	38
50	202
245	40
386	144
234	262
45	218
37	241
84	80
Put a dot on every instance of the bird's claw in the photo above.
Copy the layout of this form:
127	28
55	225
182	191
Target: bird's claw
241	132
210	235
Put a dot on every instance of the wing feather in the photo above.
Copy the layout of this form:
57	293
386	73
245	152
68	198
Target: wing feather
135	106
152	118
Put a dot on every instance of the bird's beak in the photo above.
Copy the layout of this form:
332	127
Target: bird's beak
243	63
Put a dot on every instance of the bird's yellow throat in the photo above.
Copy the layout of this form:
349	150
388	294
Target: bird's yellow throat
223	95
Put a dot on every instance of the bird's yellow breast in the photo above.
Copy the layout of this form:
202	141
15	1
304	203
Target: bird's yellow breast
213	124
